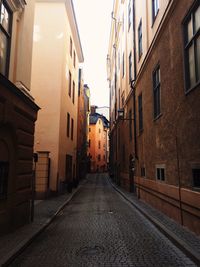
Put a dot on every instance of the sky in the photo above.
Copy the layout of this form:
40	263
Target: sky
94	21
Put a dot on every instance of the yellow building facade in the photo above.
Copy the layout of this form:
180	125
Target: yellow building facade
57	53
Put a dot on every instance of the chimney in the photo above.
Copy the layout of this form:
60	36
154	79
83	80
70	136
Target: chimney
93	109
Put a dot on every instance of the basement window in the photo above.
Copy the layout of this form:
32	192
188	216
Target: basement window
160	173
196	177
4	169
143	172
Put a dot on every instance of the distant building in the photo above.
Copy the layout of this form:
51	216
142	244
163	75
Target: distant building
154	77
57	53
83	127
98	141
18	113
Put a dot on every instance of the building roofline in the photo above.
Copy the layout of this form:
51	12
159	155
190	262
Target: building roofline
73	23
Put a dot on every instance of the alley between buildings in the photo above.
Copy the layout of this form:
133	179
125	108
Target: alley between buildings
99	228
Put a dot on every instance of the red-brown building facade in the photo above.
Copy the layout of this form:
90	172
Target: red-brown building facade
161	109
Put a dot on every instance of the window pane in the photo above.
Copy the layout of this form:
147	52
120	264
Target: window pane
189	30
198	58
197	19
196	177
3	53
158	174
5	18
192	66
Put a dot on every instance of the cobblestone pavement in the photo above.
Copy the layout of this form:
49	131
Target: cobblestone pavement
99	228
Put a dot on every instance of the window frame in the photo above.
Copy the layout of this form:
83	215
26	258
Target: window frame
129	15
130	67
156	88
140	48
193	184
74	60
72	129
123	66
73	92
188	44
155	12
159	168
8	36
68	124
70	84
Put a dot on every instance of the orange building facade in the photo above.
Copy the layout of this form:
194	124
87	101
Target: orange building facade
98	141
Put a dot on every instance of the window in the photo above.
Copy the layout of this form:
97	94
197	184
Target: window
70	84
130	67
156	92
99	121
196	177
72	129
99	157
143	172
140	39
129	15
5	37
74	59
89	143
89	129
99	144
140	112
70	47
192	47
4	169
73	92
99	130
123	66
130	125
119	97
68	124
160	173
155	9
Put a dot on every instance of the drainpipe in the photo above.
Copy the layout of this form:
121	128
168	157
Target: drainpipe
133	89
133	83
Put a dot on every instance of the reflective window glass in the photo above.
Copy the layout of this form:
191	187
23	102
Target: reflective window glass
197	19
5	18
3	53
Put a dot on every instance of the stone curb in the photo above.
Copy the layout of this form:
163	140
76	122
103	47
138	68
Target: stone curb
7	259
195	257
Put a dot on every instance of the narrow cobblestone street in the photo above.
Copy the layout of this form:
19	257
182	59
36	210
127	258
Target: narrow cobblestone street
99	228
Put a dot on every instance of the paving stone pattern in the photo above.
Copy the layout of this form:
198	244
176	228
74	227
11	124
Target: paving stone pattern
99	228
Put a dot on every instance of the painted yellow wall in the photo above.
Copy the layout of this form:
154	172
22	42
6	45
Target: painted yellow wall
50	79
21	45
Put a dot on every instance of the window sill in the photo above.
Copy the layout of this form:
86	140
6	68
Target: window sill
158	117
197	189
192	88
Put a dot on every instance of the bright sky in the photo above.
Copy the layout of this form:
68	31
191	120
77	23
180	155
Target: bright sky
94	20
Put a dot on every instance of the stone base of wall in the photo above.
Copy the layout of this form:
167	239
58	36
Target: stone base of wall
181	205
18	114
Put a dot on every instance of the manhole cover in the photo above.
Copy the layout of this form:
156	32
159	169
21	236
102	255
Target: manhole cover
90	251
